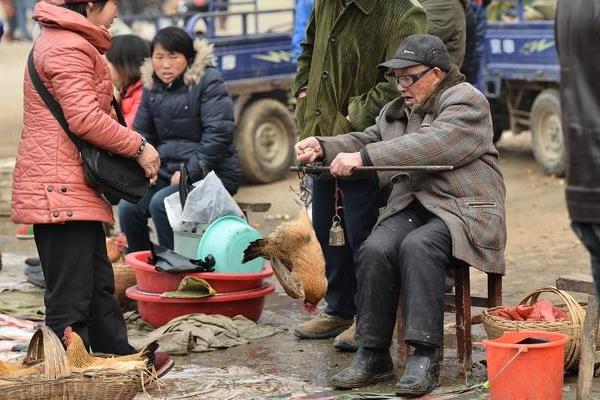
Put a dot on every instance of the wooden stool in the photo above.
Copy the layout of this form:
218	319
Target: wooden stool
583	283
459	303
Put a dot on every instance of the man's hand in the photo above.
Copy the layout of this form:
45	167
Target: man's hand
150	162
175	178
308	150
344	163
301	94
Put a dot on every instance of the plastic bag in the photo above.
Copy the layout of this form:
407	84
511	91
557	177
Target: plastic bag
206	202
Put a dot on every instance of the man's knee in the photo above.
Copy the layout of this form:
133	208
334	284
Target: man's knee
414	244
424	245
375	254
374	247
423	251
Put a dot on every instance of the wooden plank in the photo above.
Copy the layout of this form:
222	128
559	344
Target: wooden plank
588	350
577	282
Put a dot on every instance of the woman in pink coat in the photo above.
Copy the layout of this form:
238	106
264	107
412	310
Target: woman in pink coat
49	188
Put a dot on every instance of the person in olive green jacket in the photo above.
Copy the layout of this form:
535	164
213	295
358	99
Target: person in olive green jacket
446	20
339	89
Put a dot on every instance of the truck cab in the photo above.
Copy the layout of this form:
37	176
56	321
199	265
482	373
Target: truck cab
521	76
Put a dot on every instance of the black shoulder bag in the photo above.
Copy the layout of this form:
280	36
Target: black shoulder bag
115	176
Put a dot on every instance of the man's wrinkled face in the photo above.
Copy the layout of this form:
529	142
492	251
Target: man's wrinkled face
416	83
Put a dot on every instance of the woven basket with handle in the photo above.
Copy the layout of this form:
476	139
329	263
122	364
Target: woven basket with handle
572	326
58	382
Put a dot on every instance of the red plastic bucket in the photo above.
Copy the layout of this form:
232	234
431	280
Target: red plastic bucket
526	371
150	280
157	311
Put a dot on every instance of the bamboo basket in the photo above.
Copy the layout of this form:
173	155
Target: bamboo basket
124	278
58	382
572	326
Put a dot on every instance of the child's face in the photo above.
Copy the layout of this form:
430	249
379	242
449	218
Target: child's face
168	65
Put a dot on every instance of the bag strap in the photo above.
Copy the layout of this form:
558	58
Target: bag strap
55	108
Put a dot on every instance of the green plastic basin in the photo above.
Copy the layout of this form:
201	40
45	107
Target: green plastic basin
226	238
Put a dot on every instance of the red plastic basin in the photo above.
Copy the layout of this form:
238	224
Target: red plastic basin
157	311
150	280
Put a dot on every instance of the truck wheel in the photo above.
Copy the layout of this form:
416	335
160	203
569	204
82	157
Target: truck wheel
546	132
265	141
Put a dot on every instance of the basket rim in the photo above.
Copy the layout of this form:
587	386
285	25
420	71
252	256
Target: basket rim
486	314
575	311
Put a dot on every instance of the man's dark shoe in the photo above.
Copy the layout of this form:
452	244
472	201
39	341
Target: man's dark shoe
421	375
368	366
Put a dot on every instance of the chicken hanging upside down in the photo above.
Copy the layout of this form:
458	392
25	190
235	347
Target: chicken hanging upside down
79	358
297	259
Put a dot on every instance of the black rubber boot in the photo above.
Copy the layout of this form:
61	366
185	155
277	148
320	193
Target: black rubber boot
422	373
368	366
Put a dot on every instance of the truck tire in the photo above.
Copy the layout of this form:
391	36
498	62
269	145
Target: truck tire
265	141
546	132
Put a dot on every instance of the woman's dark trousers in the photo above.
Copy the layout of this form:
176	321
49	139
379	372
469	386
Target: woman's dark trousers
80	285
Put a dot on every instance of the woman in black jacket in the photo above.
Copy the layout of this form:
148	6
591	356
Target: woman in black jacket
187	114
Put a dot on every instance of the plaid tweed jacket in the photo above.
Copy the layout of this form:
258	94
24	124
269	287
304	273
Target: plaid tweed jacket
454	127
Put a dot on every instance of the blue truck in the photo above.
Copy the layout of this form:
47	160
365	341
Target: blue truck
258	68
521	76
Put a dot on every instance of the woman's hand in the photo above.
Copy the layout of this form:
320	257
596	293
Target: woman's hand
150	162
308	150
175	178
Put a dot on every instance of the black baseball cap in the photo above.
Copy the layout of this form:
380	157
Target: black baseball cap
420	50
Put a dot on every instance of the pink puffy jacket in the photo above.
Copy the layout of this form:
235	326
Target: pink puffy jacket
48	181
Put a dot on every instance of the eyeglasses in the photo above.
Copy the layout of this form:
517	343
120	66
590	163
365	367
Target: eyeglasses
408	80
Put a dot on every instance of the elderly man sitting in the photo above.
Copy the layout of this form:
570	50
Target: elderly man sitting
430	221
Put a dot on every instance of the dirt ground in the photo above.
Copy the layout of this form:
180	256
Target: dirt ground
541	247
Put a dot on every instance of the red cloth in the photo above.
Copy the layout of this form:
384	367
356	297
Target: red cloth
131	102
542	311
